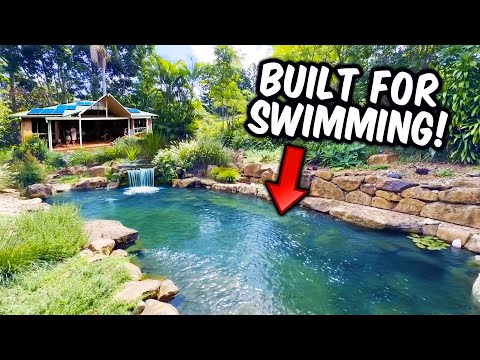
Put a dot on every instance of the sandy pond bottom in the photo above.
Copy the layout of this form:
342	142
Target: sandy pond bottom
232	254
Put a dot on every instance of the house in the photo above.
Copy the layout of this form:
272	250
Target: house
97	122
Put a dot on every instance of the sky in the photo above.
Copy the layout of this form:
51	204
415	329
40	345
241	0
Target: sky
251	54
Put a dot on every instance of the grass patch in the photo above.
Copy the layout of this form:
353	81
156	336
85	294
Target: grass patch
444	172
42	236
263	156
374	167
72	287
68	179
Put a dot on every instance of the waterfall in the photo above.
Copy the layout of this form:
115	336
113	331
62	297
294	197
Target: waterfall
141	181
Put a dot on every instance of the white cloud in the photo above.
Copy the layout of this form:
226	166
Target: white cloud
253	54
203	53
250	54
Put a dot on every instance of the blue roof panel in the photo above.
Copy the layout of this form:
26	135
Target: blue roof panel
35	111
85	103
71	107
59	110
133	111
47	111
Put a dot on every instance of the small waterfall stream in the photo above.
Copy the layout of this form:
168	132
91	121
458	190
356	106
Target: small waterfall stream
141	181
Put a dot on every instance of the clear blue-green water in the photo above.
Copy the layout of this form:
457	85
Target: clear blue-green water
233	254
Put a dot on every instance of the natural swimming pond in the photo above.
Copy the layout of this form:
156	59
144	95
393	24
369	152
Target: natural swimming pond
233	254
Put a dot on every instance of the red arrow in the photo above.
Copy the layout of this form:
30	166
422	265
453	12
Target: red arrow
285	191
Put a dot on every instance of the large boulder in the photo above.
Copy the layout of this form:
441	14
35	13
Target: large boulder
368	189
62	187
324	174
319	204
410	206
155	307
348	183
326	189
139	290
449	233
134	271
388	195
465	183
468	215
473	243
102	246
185	183
119	253
461	196
41	191
77	170
206	182
358	197
110	229
99	170
377	218
379	159
247	189
168	290
231	188
252	170
371	179
90	183
430	229
394	185
420	193
476	289
382	203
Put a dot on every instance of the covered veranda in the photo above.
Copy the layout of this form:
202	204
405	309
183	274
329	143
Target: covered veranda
93	124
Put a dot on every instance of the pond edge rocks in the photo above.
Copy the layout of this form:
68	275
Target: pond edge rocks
106	238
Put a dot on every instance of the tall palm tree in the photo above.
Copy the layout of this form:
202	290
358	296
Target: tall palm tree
100	57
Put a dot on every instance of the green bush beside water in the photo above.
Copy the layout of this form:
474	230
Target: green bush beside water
72	287
192	154
222	174
29	171
41	236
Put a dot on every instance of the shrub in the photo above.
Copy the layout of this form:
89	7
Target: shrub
202	152
82	157
166	161
6	176
6	155
328	153
33	145
132	151
41	236
444	172
29	171
55	160
223	174
152	143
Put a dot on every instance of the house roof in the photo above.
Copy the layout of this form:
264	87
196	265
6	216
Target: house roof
76	108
